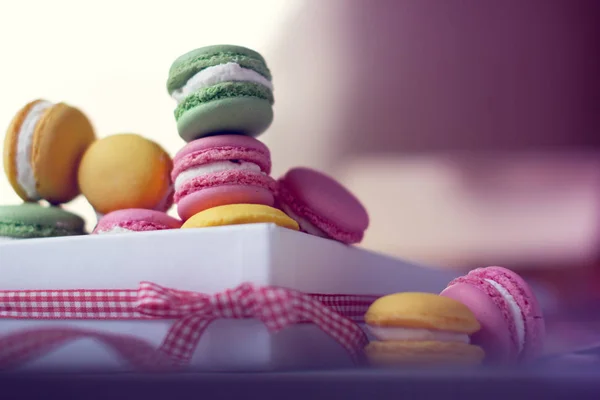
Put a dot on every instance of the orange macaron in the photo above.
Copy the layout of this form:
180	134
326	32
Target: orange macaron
43	146
126	171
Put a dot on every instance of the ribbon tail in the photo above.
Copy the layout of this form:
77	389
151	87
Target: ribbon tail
25	346
341	329
183	338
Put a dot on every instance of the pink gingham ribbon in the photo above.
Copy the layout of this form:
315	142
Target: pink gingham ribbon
277	308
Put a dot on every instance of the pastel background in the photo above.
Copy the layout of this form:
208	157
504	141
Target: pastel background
470	129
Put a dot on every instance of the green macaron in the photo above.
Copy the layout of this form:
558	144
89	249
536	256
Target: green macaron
32	220
221	89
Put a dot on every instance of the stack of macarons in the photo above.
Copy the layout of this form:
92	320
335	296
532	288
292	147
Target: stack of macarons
224	97
43	147
222	176
490	315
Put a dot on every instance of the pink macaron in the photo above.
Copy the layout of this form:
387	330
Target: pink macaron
135	220
220	170
321	205
512	325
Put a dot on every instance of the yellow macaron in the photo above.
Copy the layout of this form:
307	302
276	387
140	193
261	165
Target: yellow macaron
126	171
421	328
236	214
42	150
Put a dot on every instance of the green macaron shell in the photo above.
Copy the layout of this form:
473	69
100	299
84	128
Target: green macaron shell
189	64
222	91
31	220
244	115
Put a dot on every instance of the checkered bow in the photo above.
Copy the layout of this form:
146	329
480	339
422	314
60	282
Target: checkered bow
275	307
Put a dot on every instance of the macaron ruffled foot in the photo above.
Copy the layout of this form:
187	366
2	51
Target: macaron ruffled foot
135	220
221	88
512	324
421	329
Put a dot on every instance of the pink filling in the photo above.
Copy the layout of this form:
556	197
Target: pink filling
233	177
203	157
321	222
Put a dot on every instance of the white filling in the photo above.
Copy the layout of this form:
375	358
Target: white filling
114	229
211	168
305	225
390	334
25	176
514	310
219	73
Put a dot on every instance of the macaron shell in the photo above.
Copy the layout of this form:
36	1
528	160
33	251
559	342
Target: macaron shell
30	220
137	220
62	135
494	335
521	291
244	115
222	195
423	311
10	149
502	306
414	353
323	202
125	171
236	214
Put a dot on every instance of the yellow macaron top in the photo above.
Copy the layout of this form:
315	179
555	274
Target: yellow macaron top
125	171
422	311
236	214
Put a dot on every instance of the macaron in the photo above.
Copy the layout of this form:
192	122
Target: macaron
220	170
126	171
42	149
32	220
238	214
221	88
135	220
512	323
321	205
421	329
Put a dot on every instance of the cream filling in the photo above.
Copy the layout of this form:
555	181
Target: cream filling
514	310
113	230
25	175
230	72
410	334
305	225
211	168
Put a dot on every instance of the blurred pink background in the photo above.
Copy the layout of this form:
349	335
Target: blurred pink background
469	128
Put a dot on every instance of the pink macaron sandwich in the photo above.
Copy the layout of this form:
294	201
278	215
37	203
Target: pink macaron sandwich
221	170
135	220
321	206
512	324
